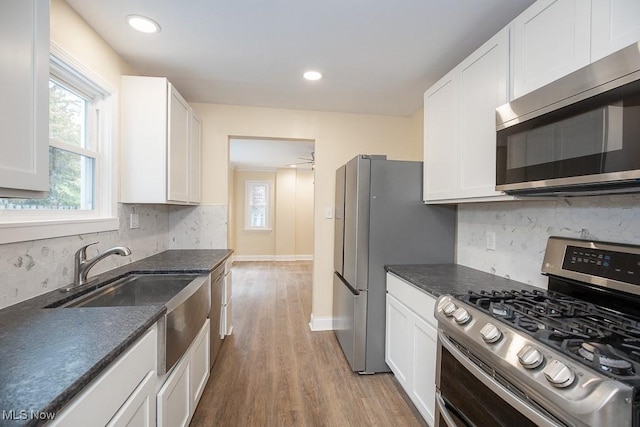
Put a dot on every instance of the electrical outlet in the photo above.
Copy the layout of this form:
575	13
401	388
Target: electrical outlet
134	220
491	240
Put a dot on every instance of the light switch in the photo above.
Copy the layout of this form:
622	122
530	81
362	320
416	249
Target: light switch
328	213
134	220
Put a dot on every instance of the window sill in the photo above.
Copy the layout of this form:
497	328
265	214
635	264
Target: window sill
12	232
258	229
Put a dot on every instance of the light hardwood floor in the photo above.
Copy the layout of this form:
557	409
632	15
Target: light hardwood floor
273	371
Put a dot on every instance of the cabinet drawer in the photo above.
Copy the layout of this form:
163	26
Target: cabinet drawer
418	301
107	393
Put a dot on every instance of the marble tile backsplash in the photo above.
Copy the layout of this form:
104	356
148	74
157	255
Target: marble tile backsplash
198	227
522	229
28	269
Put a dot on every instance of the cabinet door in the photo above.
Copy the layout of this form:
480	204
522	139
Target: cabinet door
483	87
24	104
195	160
441	138
140	409
550	40
614	24
199	365
398	340
423	382
174	409
178	176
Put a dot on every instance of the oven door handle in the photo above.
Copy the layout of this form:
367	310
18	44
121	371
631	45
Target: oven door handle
528	411
444	412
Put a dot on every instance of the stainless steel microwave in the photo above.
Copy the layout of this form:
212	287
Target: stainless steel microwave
579	135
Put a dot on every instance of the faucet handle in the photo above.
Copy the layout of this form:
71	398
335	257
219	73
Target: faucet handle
81	253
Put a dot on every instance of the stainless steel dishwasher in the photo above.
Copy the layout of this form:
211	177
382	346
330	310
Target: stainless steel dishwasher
217	282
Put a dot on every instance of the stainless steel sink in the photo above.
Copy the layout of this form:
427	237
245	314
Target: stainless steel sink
187	298
135	290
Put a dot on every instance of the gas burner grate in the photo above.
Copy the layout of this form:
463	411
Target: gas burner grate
570	325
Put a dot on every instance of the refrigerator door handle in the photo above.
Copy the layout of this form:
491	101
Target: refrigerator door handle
353	290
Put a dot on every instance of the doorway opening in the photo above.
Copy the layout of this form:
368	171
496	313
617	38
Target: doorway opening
271	199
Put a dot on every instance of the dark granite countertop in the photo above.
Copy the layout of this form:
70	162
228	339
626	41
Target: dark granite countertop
48	355
438	279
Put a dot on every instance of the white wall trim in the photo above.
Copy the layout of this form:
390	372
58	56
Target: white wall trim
254	258
321	323
278	258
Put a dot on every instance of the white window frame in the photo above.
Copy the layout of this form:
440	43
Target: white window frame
248	186
25	225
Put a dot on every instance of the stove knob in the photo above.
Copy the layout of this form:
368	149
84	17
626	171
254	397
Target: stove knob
530	357
449	308
461	316
558	374
490	334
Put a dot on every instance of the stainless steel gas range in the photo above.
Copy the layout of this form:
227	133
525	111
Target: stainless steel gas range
566	356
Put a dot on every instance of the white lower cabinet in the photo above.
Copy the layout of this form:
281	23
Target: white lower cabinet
140	409
183	387
121	385
174	398
411	340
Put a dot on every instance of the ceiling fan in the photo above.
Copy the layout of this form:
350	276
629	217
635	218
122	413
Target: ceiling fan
307	161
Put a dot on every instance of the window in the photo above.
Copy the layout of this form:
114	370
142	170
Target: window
80	181
257	205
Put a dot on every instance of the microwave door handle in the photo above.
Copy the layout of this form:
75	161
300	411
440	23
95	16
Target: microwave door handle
444	412
525	409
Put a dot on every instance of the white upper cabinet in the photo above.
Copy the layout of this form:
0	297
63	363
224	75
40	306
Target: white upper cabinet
550	40
24	104
196	159
441	106
157	160
460	134
179	147
615	24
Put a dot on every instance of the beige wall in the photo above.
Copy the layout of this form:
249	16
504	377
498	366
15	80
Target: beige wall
338	137
285	220
291	236
71	33
304	213
252	242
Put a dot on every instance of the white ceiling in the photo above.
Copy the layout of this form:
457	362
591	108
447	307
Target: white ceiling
269	153
377	57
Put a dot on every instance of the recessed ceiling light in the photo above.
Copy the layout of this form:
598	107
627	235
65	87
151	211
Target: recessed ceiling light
312	75
143	24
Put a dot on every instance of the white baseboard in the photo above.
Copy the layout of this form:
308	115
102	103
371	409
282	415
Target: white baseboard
321	323
273	258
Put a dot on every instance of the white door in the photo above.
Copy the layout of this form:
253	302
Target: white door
195	159
424	354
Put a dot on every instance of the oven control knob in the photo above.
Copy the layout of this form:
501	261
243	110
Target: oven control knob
558	374
490	334
461	316
530	357
449	308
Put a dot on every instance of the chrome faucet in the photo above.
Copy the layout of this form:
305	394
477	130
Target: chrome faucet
83	265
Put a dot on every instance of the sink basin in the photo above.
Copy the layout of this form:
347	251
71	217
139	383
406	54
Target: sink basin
187	298
135	290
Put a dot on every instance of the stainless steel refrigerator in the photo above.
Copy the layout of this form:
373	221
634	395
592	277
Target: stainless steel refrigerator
379	219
